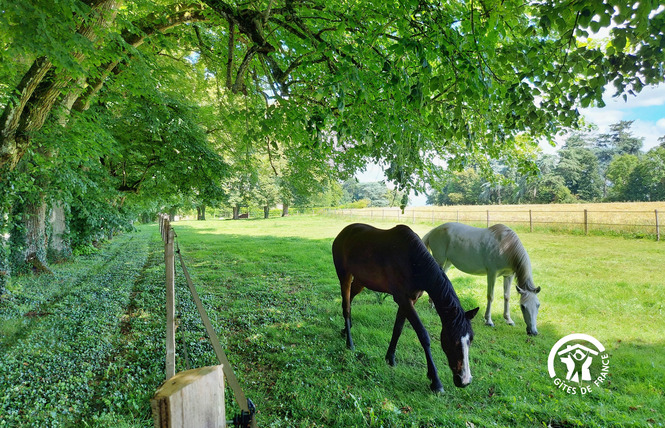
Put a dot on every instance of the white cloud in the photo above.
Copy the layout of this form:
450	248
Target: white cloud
650	131
650	96
603	118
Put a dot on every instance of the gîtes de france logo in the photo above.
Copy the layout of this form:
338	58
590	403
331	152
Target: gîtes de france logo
586	363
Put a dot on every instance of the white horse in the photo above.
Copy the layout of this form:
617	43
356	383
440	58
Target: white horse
495	251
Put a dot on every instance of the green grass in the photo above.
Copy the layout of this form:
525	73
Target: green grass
273	296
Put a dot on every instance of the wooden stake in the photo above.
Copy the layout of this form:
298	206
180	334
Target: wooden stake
194	398
169	259
657	226
586	222
530	222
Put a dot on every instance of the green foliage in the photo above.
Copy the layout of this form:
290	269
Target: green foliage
370	194
63	352
646	181
588	168
578	166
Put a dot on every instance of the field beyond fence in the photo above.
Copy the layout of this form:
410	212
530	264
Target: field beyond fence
642	219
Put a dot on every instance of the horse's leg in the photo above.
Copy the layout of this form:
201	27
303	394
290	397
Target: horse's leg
355	289
397	331
491	279
507	281
446	265
346	308
423	336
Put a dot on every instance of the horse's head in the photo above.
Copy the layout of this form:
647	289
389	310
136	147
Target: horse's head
529	304
455	342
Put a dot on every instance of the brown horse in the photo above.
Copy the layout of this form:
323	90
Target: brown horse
396	262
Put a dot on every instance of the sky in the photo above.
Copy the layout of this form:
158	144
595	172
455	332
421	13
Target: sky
647	110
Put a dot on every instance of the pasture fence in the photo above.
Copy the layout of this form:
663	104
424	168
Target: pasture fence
198	401
637	222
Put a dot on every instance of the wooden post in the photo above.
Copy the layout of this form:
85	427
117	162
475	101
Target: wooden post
169	259
530	222
586	222
657	226
194	398
488	218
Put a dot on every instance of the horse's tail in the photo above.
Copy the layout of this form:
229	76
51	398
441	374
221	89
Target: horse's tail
426	239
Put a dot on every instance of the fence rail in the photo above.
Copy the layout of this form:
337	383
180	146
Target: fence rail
645	222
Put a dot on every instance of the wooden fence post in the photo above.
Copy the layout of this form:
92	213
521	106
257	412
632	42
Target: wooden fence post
657	226
488	218
530	222
586	222
169	259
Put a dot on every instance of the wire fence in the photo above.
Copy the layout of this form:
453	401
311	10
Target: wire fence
641	223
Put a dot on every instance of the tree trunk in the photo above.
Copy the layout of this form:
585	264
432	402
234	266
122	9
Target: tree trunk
59	246
40	88
266	211
30	237
201	212
236	212
5	271
285	209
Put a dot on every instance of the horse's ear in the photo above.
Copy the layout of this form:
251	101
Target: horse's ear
537	290
519	290
470	314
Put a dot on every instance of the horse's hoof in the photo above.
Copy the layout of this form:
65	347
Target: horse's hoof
510	322
436	389
391	361
489	323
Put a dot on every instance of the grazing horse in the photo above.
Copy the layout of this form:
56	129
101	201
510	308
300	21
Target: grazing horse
495	251
396	262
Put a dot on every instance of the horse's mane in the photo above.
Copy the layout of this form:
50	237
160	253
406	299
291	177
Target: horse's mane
435	283
511	246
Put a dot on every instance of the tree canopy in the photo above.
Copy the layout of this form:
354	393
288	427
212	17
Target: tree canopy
141	103
400	82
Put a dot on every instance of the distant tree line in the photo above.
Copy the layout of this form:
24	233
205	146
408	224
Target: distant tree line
371	194
588	168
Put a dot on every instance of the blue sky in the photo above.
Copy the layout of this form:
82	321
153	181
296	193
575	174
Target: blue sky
647	109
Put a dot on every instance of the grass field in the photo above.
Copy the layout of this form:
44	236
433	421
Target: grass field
636	219
272	293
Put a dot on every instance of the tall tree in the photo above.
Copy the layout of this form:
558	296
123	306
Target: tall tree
647	179
578	166
617	142
619	174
